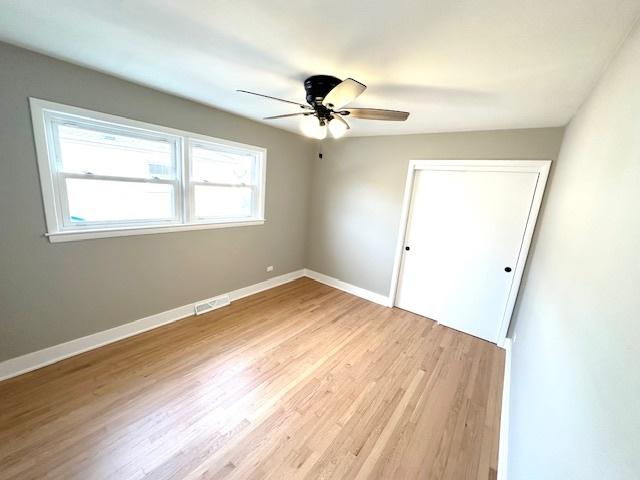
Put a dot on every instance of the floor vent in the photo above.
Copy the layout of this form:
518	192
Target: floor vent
212	304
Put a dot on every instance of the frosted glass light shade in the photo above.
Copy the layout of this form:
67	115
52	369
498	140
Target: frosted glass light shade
311	127
337	128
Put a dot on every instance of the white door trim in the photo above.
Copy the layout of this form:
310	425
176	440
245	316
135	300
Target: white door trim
541	167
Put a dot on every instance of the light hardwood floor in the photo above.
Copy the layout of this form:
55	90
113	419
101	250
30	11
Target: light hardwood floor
301	381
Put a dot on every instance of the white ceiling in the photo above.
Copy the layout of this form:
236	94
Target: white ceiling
454	64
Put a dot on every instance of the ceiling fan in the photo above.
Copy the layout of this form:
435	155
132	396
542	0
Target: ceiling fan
327	97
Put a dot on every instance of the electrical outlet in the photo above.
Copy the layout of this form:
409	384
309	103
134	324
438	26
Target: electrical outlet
270	268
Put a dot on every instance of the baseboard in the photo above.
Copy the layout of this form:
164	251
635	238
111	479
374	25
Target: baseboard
503	447
266	285
347	287
41	358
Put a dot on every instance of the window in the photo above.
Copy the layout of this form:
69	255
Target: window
223	181
103	175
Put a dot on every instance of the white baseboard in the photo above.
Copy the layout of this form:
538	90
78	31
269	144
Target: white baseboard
266	285
32	361
347	287
503	447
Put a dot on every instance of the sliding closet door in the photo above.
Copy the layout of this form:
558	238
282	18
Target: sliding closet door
464	235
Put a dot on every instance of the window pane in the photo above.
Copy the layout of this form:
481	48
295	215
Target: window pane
109	201
102	153
215	166
222	202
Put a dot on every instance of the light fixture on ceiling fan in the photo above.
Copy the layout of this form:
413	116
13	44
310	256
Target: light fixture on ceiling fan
326	97
315	127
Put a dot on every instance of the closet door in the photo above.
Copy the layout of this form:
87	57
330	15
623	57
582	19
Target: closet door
464	235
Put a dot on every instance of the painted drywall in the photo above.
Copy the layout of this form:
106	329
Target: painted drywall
51	293
455	65
574	383
357	189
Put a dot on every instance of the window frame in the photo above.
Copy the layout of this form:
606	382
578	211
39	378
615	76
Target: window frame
45	114
190	183
52	119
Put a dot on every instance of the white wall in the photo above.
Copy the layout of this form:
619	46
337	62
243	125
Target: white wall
575	399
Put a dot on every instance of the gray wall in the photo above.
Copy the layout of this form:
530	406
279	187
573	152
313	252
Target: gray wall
358	185
575	383
51	293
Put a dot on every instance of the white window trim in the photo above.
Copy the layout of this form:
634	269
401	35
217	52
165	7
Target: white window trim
55	230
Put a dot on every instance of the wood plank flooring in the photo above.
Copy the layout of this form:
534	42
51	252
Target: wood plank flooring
299	382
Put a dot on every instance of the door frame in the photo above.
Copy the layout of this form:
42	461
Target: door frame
541	167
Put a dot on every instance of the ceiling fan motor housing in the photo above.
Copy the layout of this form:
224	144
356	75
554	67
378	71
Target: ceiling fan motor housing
318	86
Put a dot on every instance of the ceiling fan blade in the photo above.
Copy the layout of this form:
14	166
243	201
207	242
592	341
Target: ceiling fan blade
376	114
342	120
301	105
345	92
287	115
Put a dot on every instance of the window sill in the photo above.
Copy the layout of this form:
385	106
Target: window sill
76	235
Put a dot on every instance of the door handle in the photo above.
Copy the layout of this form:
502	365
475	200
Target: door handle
507	269
407	248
